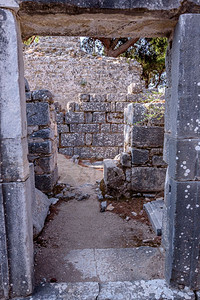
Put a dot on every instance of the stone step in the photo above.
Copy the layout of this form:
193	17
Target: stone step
127	290
154	211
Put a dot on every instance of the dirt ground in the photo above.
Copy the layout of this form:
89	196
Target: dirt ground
77	226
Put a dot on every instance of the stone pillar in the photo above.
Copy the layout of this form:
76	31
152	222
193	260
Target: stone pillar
182	153
16	242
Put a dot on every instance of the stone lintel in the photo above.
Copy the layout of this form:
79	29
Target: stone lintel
102	18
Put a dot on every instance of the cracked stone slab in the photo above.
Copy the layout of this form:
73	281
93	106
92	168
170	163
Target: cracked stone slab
144	290
154	211
12	4
65	291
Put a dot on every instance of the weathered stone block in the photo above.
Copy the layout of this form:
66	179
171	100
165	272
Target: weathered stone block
40	211
112	174
148	179
46	133
158	161
103	139
87	128
96	106
71	106
114	127
115	117
44	147
105	128
74	117
4	270
38	113
96	152
99	117
46	164
120	106
139	156
42	95
84	97
88	139
184	159
66	151
46	182
18	210
98	97
183	217
28	96
88	117
147	136
14	164
125	159
116	97
72	139
63	128
60	118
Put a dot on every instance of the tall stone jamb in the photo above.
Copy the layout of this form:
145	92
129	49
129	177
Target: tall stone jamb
15	203
182	153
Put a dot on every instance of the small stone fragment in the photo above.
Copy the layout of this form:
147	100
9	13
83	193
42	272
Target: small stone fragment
54	200
134	213
83	197
103	206
110	207
127	218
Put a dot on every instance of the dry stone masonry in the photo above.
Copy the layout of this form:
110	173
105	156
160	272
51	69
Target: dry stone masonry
58	64
42	138
140	168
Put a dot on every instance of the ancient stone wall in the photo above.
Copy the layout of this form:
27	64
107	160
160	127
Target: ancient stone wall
58	64
42	138
94	126
140	168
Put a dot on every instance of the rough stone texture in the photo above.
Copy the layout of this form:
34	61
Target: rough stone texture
16	189
42	138
148	290
147	136
4	272
58	64
148	179
40	211
83	18
182	207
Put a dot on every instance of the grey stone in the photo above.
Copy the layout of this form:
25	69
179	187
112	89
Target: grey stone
38	113
46	133
87	128
148	179
69	151
105	128
42	95
116	97
125	159
96	106
99	117
182	236
103	139
72	139
98	97
120	106
115	117
103	206
14	165
83	197
113	175
67	291
18	210
147	136
88	117
4	271
62	128
28	96
47	164
46	182
158	161
88	139
84	97
148	290
154	210
71	106
60	118
139	156
96	152
44	147
40	211
114	127
74	117
11	4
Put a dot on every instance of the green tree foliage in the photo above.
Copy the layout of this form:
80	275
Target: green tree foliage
150	52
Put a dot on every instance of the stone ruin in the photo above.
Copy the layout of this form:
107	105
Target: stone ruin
178	20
